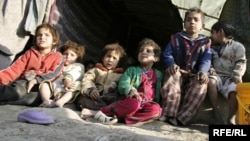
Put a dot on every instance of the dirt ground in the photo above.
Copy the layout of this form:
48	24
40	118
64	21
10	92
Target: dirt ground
68	126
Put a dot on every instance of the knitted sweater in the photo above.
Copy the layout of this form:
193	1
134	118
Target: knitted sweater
191	54
229	60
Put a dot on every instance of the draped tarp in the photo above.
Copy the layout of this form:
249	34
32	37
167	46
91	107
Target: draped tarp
95	23
212	8
238	12
18	19
12	34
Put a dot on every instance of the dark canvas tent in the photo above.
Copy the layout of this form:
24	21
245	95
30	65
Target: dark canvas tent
98	22
95	23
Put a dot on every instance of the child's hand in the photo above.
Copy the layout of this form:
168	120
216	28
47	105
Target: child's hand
172	69
202	77
68	84
94	94
212	71
135	94
112	87
30	85
236	80
30	75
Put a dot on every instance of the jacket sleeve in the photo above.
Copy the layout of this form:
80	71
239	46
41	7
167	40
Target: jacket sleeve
240	62
129	80
75	73
88	80
168	55
206	58
15	70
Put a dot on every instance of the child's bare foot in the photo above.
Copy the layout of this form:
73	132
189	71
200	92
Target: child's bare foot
87	113
48	104
59	104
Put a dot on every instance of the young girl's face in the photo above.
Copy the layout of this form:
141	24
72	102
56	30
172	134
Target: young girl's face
111	60
44	39
69	57
146	55
193	24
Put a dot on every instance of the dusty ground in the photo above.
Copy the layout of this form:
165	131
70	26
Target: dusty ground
68	126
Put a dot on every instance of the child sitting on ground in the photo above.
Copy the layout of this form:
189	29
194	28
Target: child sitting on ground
187	58
228	68
99	83
67	87
40	63
139	88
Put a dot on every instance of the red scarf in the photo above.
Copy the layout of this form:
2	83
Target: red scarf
103	68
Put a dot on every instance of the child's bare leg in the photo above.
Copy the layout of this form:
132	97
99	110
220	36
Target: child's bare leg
213	98
64	99
87	113
45	94
213	93
233	106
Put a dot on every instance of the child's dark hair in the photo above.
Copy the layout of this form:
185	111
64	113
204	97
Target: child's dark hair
150	42
226	27
114	47
53	31
118	49
195	10
78	49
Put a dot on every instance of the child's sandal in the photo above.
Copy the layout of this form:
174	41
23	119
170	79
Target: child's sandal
101	117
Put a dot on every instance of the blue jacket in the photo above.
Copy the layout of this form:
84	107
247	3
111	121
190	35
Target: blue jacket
192	55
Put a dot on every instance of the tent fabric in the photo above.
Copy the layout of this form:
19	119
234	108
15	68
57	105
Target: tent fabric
238	13
125	22
84	22
95	23
12	17
5	57
37	14
212	8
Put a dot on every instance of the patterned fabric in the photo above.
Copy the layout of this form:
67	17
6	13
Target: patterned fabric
134	111
132	79
192	55
176	87
146	90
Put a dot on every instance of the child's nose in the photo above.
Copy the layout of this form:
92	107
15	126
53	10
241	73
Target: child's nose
111	59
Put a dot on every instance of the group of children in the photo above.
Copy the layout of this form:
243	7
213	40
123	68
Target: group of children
141	93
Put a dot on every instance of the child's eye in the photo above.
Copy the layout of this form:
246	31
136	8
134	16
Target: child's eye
149	51
114	58
146	50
